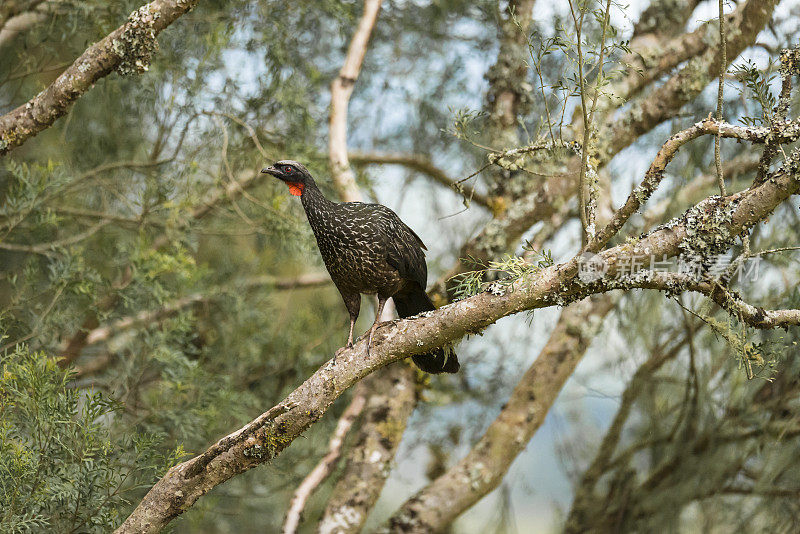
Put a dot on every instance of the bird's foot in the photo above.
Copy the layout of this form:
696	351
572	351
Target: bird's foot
369	338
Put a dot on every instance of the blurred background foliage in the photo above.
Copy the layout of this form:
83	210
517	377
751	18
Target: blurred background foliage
125	206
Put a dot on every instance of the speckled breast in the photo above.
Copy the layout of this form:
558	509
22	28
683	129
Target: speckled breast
354	262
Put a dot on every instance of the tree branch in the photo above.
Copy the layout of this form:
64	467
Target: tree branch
662	103
127	49
391	394
781	133
483	468
47	248
183	484
341	89
545	200
324	467
392	397
650	60
421	163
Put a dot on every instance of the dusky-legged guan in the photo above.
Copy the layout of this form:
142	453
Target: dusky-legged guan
367	249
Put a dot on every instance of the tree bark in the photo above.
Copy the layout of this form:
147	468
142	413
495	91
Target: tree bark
270	434
437	505
128	50
392	397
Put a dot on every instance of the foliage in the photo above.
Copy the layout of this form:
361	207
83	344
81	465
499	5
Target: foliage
503	274
66	465
125	206
758	83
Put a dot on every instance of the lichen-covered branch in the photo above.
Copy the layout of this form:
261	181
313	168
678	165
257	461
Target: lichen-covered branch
699	187
128	50
790	61
663	102
341	89
781	133
481	471
508	96
709	226
728	300
664	17
391	401
390	392
324	467
671	47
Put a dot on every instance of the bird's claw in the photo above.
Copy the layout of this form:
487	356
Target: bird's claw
369	340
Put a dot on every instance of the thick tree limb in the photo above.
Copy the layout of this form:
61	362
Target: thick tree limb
324	467
785	132
664	17
188	481
662	102
341	89
653	59
546	200
127	49
391	394
444	499
508	97
11	8
438	504
392	397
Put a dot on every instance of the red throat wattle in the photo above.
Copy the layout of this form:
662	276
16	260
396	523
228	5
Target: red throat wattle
295	188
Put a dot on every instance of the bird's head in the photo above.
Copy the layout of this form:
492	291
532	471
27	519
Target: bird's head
292	173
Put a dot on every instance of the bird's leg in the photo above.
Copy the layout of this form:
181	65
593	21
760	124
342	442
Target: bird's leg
349	339
381	304
350	336
352	301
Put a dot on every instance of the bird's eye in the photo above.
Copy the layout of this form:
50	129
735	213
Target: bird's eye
288	170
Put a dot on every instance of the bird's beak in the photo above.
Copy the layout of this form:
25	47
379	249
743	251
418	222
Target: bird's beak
271	170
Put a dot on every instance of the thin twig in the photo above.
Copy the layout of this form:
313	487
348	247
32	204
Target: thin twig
421	163
46	249
723	61
578	21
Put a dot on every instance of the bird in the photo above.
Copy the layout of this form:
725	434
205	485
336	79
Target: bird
367	249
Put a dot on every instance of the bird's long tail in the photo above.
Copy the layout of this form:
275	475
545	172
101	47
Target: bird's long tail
441	360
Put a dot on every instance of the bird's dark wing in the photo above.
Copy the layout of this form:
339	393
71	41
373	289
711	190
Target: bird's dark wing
404	248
